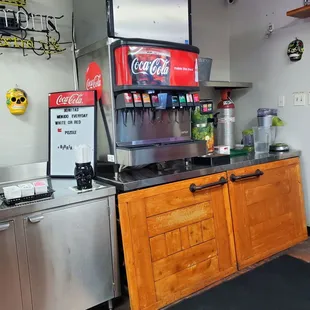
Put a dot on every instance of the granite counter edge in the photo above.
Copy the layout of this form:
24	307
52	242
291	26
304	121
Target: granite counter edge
203	171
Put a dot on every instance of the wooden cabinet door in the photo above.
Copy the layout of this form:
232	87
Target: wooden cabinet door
267	209
175	241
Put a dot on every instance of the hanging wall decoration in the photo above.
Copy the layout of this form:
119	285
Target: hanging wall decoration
16	101
295	50
14	2
26	31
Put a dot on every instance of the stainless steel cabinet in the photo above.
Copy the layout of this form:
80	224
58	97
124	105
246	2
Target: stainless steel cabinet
69	255
10	290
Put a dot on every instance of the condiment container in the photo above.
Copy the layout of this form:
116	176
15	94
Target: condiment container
40	187
27	189
12	192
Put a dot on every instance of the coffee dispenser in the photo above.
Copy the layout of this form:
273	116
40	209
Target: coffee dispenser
147	93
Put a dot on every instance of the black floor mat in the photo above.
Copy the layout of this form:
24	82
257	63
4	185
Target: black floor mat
282	284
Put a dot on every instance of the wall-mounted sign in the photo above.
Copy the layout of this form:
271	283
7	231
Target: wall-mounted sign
23	21
14	2
26	44
72	122
153	66
93	79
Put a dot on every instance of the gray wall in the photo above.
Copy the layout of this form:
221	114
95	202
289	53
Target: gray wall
211	34
265	63
24	139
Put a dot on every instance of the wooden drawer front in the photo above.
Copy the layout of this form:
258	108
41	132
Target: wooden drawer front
182	281
268	211
179	198
177	262
181	239
176	219
175	242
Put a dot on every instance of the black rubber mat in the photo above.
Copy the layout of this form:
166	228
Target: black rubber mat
282	284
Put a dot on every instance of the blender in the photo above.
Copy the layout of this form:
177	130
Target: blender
269	118
278	146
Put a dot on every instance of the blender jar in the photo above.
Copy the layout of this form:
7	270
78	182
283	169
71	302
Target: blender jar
248	140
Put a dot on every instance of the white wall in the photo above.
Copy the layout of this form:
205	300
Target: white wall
24	139
211	35
210	22
265	63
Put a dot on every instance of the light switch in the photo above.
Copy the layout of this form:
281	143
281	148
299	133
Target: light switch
281	102
300	99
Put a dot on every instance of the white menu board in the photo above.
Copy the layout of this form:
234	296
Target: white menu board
72	123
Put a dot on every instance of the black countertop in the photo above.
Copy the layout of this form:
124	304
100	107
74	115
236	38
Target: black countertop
133	179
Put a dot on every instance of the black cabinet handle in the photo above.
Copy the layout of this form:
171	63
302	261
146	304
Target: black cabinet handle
194	188
256	174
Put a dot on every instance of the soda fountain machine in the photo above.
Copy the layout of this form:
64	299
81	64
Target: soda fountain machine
146	92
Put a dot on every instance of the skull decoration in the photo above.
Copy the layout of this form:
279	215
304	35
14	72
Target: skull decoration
295	50
17	101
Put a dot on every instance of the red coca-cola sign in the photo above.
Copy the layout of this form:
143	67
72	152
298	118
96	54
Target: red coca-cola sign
72	98
152	66
93	79
149	67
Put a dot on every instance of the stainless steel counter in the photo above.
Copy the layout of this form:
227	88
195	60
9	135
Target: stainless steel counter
64	232
142	178
62	196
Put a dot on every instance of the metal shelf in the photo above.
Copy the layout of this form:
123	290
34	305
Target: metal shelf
226	84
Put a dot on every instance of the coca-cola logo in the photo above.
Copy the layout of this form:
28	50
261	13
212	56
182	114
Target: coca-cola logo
94	83
74	99
93	79
157	67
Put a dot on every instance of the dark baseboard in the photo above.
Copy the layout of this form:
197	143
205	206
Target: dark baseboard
308	228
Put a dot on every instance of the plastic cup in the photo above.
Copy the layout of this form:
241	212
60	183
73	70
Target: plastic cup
262	139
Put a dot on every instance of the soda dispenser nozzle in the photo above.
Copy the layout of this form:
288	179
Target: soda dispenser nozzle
142	117
124	116
133	115
176	116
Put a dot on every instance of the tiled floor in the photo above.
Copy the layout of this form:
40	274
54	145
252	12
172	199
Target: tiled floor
301	251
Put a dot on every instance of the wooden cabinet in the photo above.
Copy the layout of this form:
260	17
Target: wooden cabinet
180	237
176	241
267	209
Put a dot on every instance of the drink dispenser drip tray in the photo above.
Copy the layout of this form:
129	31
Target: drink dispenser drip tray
145	155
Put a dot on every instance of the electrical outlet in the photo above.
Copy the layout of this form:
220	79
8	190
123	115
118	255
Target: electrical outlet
300	99
281	102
